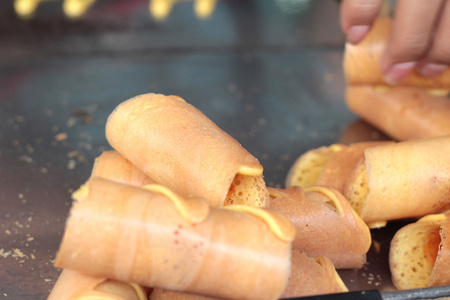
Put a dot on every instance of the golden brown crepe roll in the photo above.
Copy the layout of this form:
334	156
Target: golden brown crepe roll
113	166
312	276
401	180
420	253
153	237
72	285
326	224
402	112
328	166
178	146
362	61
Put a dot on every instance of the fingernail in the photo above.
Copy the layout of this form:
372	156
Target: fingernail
357	33
432	70
398	72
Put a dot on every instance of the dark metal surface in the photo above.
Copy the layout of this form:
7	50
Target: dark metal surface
271	79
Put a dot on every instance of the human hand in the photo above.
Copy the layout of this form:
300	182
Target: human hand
420	37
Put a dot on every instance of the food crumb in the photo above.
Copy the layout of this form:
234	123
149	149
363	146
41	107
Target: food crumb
30	239
61	136
26	158
47	279
4	254
32	256
18	253
71	164
7	231
72	154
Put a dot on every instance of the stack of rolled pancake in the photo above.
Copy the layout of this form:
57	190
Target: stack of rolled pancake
418	107
180	210
387	181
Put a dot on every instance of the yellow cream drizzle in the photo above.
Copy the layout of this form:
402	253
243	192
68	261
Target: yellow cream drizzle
81	193
195	210
438	92
278	224
329	194
381	88
250	171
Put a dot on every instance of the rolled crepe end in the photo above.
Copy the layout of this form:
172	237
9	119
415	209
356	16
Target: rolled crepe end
194	209
81	193
329	193
413	253
327	264
254	170
278	224
357	188
307	168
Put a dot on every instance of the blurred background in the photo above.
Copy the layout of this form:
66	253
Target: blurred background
268	72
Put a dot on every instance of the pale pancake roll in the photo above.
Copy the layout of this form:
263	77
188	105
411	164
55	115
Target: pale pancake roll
72	285
113	166
362	61
309	276
327	165
326	224
176	145
154	237
402	112
420	253
401	180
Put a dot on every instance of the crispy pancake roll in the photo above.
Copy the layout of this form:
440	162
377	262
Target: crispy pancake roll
402	112
72	285
178	146
154	237
113	166
312	276
362	61
401	180
326	224
420	253
328	165
309	276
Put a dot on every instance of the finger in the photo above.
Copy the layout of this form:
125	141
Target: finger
357	17
410	38
438	57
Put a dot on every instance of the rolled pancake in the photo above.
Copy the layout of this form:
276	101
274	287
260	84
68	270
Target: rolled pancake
72	285
402	180
309	276
420	253
326	225
402	112
113	166
176	145
154	237
362	61
328	165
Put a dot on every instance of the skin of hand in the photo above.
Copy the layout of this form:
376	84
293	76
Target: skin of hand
420	37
